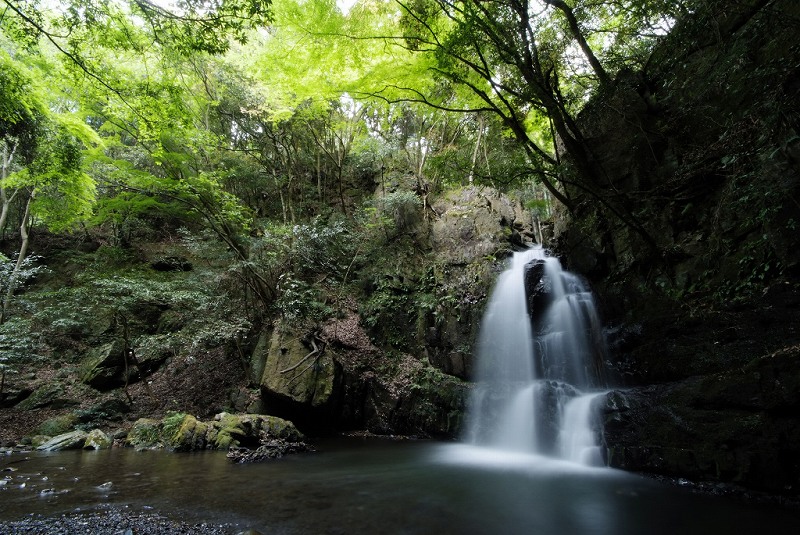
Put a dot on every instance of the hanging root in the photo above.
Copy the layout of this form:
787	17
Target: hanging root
316	352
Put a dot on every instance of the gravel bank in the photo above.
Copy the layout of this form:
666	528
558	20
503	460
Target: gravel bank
112	522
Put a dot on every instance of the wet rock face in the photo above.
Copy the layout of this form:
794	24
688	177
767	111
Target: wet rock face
538	290
706	321
737	426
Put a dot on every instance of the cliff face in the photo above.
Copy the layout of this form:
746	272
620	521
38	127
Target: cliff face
114	335
702	150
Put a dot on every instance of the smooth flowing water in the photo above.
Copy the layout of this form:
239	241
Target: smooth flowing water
538	364
369	486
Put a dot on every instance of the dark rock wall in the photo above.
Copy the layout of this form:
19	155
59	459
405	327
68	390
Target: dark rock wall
704	145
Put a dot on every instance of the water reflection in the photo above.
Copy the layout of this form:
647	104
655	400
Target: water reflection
376	487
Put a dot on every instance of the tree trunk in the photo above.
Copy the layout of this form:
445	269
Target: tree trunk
6	201
476	150
23	252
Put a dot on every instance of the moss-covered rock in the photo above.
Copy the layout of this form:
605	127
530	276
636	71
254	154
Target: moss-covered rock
104	367
38	440
187	434
184	432
145	434
57	425
296	370
97	440
50	395
247	430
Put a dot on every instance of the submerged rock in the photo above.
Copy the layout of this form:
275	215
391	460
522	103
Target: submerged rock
269	449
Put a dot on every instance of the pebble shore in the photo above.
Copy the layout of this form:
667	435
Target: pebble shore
112	522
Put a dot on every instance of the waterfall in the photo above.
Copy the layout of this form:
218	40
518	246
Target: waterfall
538	363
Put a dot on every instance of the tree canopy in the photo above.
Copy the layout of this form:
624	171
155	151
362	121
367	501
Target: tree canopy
239	115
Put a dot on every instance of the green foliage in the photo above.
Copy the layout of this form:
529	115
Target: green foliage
20	110
401	207
389	312
31	267
297	299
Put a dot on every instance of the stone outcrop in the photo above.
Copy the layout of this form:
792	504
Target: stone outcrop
735	426
107	367
474	223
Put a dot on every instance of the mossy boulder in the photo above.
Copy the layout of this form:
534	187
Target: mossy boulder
247	430
297	371
50	395
58	425
258	358
38	440
104	367
184	432
97	440
145	434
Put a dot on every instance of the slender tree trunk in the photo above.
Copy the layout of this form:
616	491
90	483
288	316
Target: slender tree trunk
8	157
476	150
319	176
23	252
280	195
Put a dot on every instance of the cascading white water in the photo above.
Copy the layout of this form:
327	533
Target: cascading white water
538	363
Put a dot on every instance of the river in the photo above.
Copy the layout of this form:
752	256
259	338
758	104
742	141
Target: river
376	486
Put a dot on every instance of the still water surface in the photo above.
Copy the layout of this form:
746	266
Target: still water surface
371	486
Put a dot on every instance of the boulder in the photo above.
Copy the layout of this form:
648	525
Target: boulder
248	430
97	440
73	440
38	440
189	434
58	425
184	432
104	367
298	370
49	395
145	434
